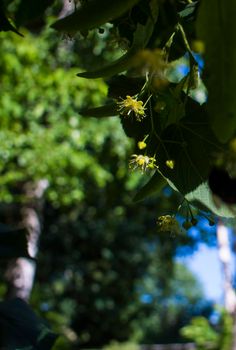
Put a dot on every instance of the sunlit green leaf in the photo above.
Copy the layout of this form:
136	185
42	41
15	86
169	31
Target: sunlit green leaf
202	198
189	10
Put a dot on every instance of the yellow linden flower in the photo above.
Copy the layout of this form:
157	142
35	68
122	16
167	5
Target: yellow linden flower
142	162
131	106
151	60
170	163
167	223
142	145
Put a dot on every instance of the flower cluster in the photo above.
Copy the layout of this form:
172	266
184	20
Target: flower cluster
168	223
131	106
142	162
152	62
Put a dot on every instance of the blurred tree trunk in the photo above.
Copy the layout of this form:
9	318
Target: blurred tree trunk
225	258
21	271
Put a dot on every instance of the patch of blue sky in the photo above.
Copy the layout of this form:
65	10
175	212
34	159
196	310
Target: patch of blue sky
202	233
206	266
205	262
184	66
199	60
204	224
146	298
180	68
167	191
183	69
215	317
194	232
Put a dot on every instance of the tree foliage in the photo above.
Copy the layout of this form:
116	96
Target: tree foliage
48	142
177	140
204	334
155	35
162	111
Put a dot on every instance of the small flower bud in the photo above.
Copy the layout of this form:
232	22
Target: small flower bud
194	221
170	163
142	145
187	225
211	222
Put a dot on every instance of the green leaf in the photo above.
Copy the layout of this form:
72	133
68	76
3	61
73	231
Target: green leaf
20	328
92	14
118	66
153	186
191	145
5	24
13	243
173	107
119	86
140	40
202	198
134	128
216	26
189	11
109	110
